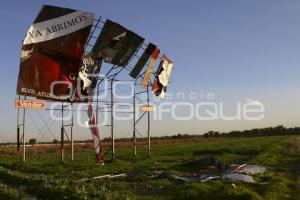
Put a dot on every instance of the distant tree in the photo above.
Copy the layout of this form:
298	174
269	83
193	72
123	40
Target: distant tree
32	141
108	139
217	134
55	141
206	135
211	133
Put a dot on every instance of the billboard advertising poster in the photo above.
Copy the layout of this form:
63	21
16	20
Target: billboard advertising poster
161	80
116	44
52	51
142	61
88	76
150	68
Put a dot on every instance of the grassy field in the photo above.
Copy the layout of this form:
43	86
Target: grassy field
45	177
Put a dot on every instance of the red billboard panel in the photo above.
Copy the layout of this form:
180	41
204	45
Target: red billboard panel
52	51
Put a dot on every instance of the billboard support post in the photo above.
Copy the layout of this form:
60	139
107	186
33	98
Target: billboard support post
24	144
18	134
72	140
148	123
112	121
18	143
21	119
134	123
23	135
62	133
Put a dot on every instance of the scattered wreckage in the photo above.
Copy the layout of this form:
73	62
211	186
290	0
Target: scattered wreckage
243	172
236	172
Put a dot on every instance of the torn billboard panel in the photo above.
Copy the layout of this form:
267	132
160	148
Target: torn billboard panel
116	44
161	80
142	61
150	68
88	76
96	135
52	51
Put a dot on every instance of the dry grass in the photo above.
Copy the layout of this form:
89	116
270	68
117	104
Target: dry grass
295	143
78	147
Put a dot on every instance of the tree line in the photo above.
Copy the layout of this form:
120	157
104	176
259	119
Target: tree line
269	131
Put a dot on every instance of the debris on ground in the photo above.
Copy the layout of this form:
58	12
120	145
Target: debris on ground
117	175
233	185
180	178
206	178
243	172
239	177
249	169
208	161
159	174
193	178
109	176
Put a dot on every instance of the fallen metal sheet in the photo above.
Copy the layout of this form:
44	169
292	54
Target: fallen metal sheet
180	178
202	178
237	167
251	170
208	178
236	172
239	177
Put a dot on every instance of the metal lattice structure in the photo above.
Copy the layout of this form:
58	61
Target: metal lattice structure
112	74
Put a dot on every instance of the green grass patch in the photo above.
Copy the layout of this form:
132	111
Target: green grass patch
45	177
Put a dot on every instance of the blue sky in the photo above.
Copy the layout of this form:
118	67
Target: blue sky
237	49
